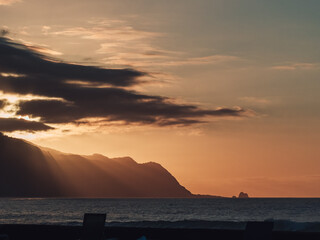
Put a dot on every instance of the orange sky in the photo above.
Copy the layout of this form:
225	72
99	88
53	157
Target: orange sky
259	62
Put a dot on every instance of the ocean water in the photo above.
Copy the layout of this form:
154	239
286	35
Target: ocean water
288	214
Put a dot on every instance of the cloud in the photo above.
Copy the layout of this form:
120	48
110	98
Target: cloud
4	32
17	58
121	45
45	50
297	66
14	124
104	32
8	2
149	60
80	93
256	100
119	105
213	59
3	103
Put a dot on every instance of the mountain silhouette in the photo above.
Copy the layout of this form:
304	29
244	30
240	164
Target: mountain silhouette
27	170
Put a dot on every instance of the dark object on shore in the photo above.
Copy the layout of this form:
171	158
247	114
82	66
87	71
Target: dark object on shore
258	231
93	226
243	195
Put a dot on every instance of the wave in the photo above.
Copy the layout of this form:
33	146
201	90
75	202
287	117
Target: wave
279	225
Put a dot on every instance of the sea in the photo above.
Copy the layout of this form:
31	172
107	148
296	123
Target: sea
288	214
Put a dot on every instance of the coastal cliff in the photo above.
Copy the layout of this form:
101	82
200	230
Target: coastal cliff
27	170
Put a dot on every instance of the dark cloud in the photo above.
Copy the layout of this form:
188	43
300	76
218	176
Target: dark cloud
14	124
3	103
20	59
4	32
91	98
126	108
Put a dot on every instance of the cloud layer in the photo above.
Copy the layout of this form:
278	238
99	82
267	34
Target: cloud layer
83	93
14	124
120	45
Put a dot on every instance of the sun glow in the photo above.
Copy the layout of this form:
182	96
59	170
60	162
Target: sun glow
15	98
24	118
12	101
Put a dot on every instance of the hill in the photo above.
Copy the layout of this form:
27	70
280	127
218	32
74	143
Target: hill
27	170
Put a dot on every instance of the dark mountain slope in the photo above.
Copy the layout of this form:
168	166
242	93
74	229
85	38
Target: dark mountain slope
30	171
25	171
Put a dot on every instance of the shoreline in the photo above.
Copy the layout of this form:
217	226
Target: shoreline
48	232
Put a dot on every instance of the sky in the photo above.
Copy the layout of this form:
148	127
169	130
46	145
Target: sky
223	94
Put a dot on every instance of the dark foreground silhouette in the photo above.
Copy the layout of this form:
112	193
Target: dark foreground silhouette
50	232
27	170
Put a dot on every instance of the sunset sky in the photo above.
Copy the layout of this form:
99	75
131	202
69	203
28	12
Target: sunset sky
223	94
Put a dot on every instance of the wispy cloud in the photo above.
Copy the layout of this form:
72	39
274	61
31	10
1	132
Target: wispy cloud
213	59
105	31
45	50
149	60
40	48
256	100
297	66
114	36
122	45
8	2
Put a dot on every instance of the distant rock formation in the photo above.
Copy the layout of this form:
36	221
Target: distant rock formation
243	195
27	170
